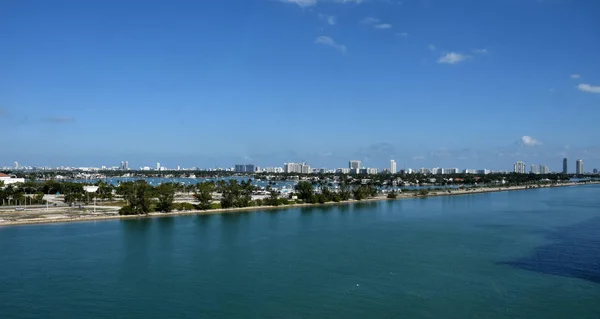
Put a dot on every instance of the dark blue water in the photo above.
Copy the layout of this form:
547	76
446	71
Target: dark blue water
525	254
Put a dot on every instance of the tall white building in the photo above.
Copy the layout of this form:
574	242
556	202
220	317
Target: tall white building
300	168
393	167
451	170
158	166
16	165
519	167
579	167
354	164
544	169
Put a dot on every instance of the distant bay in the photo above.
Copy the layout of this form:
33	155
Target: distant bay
522	254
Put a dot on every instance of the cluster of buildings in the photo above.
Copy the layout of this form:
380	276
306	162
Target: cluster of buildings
520	168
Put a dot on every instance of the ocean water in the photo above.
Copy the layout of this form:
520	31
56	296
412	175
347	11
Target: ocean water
523	254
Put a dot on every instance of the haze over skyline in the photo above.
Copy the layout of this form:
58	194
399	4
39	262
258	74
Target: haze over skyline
213	83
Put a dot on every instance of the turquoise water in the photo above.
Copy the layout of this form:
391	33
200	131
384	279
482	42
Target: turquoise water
524	254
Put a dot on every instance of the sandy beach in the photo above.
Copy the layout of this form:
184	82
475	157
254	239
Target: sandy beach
41	215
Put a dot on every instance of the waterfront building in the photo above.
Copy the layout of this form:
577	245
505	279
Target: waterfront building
534	169
565	166
342	171
424	170
273	170
393	167
300	168
354	164
595	171
519	167
451	170
470	171
544	169
158	166
244	168
16	165
579	167
409	171
482	171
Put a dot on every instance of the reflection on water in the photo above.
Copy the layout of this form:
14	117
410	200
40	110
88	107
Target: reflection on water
574	252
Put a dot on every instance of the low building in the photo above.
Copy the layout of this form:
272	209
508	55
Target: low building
7	179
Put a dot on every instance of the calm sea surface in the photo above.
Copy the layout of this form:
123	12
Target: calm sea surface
524	254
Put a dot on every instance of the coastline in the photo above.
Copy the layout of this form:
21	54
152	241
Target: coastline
455	192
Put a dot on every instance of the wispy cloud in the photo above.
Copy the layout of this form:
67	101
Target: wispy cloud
310	3
369	20
588	88
331	20
480	51
58	119
575	76
301	3
453	58
330	42
402	34
529	141
382	26
431	47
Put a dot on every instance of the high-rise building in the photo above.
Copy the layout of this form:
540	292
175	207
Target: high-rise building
565	166
16	165
158	166
301	168
595	171
544	169
244	168
534	169
453	170
393	167
579	167
354	164
519	167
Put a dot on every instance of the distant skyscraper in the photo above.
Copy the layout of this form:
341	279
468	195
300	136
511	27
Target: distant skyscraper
579	167
16	165
534	169
392	166
158	166
519	167
126	165
544	169
301	168
354	164
565	166
595	171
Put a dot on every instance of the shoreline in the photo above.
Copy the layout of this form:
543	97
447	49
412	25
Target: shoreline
455	192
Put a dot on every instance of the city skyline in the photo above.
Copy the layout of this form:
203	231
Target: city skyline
354	167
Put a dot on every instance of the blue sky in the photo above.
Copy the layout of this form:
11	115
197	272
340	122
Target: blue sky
468	84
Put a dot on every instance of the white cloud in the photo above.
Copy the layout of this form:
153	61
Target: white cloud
369	20
301	3
382	26
575	76
331	20
588	88
480	51
452	58
330	42
402	34
431	47
418	157
530	141
309	3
